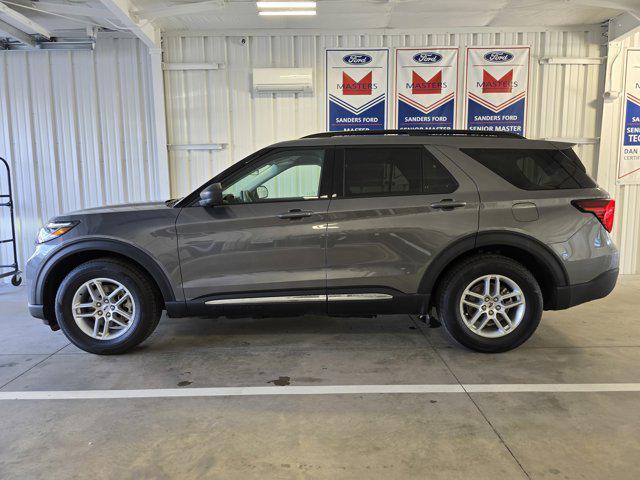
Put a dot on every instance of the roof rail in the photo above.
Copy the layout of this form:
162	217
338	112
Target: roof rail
418	133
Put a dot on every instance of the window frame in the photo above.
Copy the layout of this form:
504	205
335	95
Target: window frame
232	174
339	178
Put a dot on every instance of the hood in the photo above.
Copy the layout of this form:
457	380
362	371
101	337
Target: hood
121	208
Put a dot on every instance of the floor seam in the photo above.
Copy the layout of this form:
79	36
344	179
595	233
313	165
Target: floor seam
33	366
497	434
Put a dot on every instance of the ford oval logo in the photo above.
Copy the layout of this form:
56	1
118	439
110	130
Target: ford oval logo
357	59
498	56
427	57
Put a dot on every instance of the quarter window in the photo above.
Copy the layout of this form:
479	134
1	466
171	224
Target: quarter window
534	169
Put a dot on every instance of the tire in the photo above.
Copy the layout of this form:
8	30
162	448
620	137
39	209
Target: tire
455	316
142	306
16	280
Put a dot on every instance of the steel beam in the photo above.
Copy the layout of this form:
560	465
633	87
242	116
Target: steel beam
19	35
123	10
623	25
21	22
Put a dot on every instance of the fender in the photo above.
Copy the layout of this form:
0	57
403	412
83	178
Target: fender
490	239
539	250
129	251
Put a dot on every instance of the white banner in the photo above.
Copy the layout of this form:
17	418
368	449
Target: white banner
629	162
357	89
497	83
426	84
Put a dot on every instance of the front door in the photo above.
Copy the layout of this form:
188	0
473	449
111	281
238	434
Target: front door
266	240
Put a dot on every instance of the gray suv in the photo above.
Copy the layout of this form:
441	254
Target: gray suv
482	230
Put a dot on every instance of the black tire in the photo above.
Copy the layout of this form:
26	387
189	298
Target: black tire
16	280
145	320
461	275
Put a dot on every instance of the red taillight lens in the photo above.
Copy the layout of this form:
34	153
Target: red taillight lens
603	208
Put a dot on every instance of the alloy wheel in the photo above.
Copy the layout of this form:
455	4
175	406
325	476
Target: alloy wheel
103	308
492	306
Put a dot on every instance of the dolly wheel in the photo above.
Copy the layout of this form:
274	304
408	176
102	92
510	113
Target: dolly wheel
16	280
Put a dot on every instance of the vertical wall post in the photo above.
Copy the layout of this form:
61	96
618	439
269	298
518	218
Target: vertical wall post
160	122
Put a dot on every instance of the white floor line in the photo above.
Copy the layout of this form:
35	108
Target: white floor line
319	390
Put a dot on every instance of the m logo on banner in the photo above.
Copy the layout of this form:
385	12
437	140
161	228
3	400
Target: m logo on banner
351	87
492	85
433	86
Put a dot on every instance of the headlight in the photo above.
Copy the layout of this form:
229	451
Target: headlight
54	230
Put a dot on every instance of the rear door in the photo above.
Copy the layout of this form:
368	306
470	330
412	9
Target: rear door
267	240
396	208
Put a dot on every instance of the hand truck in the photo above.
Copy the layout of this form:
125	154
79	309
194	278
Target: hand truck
6	200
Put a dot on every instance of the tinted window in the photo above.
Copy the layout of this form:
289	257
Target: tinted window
283	175
394	171
534	169
436	178
381	171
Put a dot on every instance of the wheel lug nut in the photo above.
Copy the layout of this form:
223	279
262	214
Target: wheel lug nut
108	314
497	307
486	299
98	304
100	312
484	307
490	312
495	299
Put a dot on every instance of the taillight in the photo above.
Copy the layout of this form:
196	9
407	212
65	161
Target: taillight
603	208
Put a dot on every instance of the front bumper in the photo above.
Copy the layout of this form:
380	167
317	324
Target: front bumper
572	295
37	311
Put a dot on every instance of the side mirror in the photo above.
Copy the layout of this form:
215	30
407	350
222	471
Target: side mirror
211	196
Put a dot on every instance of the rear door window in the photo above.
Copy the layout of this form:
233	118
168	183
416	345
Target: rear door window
534	169
384	171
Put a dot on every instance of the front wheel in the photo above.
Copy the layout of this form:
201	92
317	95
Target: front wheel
107	306
490	303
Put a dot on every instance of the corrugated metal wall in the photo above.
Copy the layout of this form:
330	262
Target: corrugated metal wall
218	106
626	228
77	128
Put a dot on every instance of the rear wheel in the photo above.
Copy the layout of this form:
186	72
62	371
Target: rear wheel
107	306
490	303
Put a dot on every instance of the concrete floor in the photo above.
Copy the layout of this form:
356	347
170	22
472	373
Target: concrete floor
445	435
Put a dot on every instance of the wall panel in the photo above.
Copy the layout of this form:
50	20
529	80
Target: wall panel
219	106
626	227
77	129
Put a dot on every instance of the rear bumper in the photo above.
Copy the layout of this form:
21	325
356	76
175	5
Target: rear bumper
572	295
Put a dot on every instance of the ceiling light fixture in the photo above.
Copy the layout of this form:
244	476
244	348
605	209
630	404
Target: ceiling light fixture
273	13
286	5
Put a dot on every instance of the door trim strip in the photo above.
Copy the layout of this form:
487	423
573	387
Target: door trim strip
342	297
333	297
258	300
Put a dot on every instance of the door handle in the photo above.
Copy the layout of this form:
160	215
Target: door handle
448	204
295	213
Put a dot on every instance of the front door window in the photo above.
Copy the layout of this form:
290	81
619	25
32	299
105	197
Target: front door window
286	175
